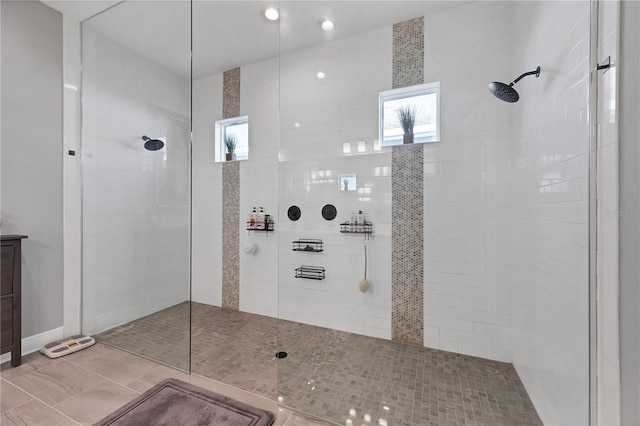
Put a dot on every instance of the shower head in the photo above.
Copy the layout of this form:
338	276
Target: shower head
506	92
152	144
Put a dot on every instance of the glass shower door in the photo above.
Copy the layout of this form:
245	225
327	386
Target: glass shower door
234	269
136	179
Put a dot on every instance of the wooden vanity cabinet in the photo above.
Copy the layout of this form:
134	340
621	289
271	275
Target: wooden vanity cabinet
10	297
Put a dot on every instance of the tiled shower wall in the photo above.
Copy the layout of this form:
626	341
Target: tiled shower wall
467	278
307	176
255	287
336	114
259	188
467	298
549	192
135	202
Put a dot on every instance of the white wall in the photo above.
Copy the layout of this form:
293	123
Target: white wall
467	276
136	202
550	208
32	197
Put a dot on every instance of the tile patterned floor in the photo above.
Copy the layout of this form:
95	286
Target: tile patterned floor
328	373
82	388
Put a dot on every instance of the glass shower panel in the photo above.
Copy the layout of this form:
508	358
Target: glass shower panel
136	197
333	169
234	270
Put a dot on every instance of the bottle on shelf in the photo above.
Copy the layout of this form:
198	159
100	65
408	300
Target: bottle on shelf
260	219
252	219
360	222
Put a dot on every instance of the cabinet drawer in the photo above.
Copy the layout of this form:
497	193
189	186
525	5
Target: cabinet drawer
6	321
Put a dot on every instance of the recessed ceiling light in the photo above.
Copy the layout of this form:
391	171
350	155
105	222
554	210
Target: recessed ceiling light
320	75
327	25
271	14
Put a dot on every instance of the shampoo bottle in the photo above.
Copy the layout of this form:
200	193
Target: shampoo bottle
260	219
360	221
252	219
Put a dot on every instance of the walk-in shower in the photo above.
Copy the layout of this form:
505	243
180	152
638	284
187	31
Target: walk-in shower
475	253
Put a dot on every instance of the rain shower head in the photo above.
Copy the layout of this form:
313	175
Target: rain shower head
506	92
152	144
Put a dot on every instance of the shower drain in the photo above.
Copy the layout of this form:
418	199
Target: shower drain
281	355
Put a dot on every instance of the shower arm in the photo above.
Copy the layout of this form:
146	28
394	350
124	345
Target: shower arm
536	72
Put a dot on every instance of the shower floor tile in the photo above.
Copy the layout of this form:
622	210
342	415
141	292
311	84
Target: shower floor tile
329	373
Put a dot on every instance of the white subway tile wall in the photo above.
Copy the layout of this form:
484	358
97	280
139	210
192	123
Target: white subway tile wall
550	209
259	188
302	170
337	110
467	271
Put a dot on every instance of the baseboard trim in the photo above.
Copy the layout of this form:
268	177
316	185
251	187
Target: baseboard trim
34	343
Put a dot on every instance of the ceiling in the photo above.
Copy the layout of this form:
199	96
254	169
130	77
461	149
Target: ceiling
79	10
228	34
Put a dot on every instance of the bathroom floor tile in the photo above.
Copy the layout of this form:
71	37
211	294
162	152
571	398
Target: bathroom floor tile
163	372
329	374
98	350
35	413
11	396
120	367
30	363
98	400
57	382
103	398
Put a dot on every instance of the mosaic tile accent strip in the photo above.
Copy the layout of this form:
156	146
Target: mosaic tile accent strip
231	235
231	93
408	53
231	200
407	177
407	254
328	372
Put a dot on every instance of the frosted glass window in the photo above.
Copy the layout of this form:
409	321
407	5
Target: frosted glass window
424	99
